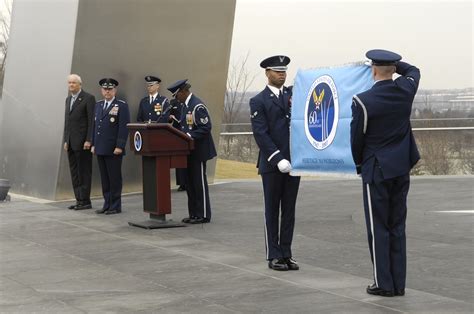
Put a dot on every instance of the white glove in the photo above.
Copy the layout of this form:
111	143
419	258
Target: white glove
368	62
284	166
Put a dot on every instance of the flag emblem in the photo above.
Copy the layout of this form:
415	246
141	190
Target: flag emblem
321	112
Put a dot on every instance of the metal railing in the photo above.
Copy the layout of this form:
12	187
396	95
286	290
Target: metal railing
444	150
454	128
414	129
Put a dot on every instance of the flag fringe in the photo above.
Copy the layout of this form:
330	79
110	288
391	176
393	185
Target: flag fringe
337	66
330	175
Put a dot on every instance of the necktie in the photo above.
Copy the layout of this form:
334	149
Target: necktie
106	105
73	99
280	98
151	99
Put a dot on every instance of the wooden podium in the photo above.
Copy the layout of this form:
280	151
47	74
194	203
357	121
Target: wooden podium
162	147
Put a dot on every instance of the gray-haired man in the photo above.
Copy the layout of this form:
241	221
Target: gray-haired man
78	124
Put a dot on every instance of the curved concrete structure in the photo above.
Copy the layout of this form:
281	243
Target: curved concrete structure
123	39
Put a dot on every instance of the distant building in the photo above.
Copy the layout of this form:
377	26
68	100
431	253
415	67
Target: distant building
461	100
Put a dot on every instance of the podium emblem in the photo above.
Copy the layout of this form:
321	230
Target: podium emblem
137	141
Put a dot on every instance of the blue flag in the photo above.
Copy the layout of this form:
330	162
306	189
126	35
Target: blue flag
321	116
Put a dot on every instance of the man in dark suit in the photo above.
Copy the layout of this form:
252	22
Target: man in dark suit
270	117
196	123
384	151
108	143
78	124
154	107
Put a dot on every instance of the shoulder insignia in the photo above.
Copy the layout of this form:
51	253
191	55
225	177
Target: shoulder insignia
198	107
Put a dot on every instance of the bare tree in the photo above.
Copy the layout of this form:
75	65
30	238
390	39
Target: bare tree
427	111
238	82
5	17
435	153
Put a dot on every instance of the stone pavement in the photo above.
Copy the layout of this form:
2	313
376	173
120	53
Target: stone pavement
53	260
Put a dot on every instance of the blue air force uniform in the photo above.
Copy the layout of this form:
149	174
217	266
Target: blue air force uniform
195	121
110	132
156	110
175	118
153	108
270	118
384	151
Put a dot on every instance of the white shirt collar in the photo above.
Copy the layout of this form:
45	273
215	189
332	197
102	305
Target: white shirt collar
154	95
109	101
275	90
380	81
187	99
77	94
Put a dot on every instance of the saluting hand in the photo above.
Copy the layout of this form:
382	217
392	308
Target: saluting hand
117	151
65	147
87	145
92	149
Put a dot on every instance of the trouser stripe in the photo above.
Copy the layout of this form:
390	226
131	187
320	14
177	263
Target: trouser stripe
266	236
369	203
203	191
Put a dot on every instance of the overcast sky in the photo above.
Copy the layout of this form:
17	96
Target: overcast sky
436	36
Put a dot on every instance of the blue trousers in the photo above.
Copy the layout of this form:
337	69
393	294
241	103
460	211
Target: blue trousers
280	191
385	215
197	189
111	178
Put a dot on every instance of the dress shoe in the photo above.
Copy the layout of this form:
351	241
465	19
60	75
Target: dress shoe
113	211
374	290
182	188
72	206
188	219
277	264
199	220
101	211
83	206
399	292
292	264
